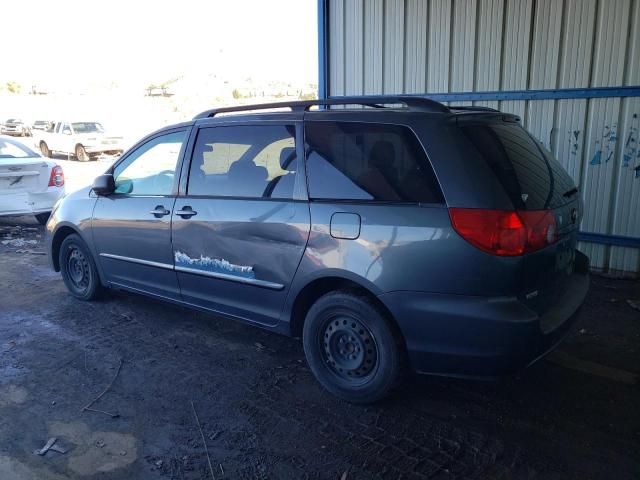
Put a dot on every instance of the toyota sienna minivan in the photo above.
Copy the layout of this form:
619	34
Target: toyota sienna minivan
387	232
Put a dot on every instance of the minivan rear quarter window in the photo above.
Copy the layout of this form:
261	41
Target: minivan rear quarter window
368	162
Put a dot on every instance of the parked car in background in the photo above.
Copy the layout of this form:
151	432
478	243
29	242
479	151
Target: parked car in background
41	125
15	127
84	140
29	183
442	237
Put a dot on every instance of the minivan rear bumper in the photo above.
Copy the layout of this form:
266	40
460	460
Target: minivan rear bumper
473	336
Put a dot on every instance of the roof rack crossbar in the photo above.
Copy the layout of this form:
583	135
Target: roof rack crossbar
410	101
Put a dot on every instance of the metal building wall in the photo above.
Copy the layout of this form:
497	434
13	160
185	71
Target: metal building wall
435	46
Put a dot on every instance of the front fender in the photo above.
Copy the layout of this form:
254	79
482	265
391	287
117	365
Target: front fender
72	214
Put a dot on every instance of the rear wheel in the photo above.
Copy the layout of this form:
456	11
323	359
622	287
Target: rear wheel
43	217
81	154
78	269
352	348
44	148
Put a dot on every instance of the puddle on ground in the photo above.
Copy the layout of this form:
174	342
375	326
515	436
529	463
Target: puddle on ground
12	395
94	452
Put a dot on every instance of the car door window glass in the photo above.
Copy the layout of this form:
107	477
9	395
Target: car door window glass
150	170
244	161
368	162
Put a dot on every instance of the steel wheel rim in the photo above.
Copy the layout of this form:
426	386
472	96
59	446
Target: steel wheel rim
78	270
349	350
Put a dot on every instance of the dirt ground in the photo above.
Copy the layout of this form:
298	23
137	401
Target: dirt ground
574	415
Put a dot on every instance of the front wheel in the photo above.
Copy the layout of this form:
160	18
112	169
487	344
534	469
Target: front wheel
78	269
82	154
352	348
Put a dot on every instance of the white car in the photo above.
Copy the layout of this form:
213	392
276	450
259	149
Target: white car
29	183
85	140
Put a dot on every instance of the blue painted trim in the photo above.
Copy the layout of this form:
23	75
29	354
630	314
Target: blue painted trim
323	48
604	239
563	93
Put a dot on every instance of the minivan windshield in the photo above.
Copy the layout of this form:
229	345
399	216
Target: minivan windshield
532	178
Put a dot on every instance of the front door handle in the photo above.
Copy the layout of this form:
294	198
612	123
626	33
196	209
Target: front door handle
159	211
186	212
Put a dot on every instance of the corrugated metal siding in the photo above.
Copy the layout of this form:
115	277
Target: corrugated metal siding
603	121
373	22
626	214
415	65
434	46
489	48
438	48
353	35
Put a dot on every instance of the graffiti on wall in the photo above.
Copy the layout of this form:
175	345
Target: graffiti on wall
605	146
631	149
573	140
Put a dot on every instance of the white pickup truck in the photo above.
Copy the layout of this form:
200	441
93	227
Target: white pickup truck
84	140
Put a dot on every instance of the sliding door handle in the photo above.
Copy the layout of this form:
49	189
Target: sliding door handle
186	212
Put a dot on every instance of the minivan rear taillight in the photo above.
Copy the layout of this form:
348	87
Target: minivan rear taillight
503	232
56	179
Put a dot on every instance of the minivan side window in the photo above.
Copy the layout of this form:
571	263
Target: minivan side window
151	168
368	162
251	161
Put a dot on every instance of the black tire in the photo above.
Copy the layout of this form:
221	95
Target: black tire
78	269
43	217
352	348
81	153
44	148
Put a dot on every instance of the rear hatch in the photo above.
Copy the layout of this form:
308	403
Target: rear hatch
21	170
534	181
23	176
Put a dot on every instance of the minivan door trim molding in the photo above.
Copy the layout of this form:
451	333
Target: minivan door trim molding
196	271
137	260
233	278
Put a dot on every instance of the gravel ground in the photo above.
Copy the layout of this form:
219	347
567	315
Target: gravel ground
262	415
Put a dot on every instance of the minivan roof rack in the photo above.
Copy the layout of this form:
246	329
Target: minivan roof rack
473	108
412	102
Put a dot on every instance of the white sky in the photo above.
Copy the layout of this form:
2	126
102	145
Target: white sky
134	42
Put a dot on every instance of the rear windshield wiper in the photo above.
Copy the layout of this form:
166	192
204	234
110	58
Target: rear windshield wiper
571	192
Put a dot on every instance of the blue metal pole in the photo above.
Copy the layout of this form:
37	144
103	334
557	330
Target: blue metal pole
323	40
550	94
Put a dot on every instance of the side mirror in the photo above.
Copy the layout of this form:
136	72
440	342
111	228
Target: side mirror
104	185
66	131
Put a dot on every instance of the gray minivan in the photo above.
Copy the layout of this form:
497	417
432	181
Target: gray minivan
385	231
